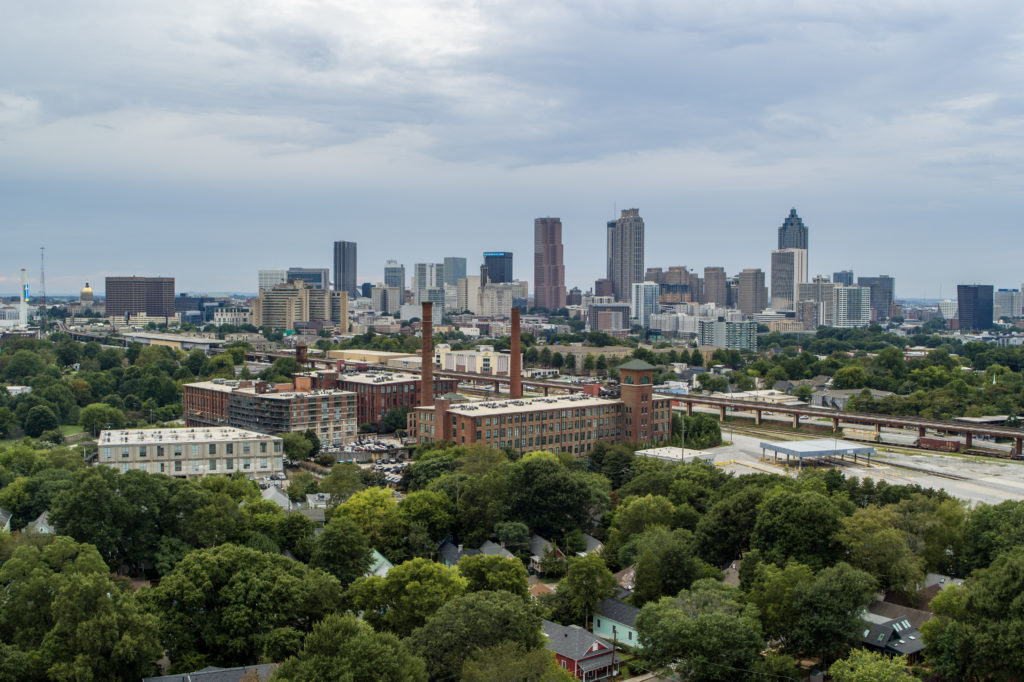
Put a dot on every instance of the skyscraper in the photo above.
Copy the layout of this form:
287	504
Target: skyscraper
454	270
789	269
843	278
753	295
851	306
626	252
548	269
817	301
316	278
268	279
883	291
345	268
643	302
427	276
499	266
793	233
715	290
151	295
974	306
394	274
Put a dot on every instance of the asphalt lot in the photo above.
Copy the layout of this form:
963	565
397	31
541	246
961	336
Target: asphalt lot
985	480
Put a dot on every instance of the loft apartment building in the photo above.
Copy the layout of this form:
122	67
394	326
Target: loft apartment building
377	393
558	424
192	452
274	408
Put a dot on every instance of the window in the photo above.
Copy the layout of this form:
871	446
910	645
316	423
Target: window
107	454
159	450
124	452
263	462
177	451
246	463
229	448
277	446
142	451
213	465
263	447
195	449
229	464
177	465
211	449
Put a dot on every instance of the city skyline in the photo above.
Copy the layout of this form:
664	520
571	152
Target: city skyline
208	142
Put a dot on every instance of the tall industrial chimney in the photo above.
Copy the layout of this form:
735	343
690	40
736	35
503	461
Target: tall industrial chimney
427	356
515	365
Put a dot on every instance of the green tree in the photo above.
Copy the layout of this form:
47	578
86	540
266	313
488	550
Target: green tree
395	419
514	536
775	592
796	524
98	416
64	618
587	582
296	446
874	544
343	480
851	376
830	608
666	563
229	605
494	573
39	419
377	514
702	431
509	662
409	594
706	632
867	666
430	510
470	622
978	629
342	648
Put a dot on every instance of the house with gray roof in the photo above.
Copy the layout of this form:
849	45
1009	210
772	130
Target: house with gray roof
592	545
5	520
278	497
891	636
41	525
450	555
616	620
582	653
539	548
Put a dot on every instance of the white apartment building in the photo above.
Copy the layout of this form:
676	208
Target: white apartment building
192	452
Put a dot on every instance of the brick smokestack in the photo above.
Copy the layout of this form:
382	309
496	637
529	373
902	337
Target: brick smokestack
515	365
427	356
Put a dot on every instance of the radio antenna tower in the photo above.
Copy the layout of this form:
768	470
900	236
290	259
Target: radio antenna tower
42	278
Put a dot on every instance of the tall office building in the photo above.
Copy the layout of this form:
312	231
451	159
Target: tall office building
1008	303
499	266
843	278
394	275
626	252
427	276
752	297
345	268
883	292
454	270
153	296
548	269
643	302
974	306
316	278
789	269
851	307
793	233
817	301
732	335
271	278
715	289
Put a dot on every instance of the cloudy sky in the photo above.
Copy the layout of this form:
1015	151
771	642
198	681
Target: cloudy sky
206	140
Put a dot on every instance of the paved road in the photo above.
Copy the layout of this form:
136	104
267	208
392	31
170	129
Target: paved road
988	480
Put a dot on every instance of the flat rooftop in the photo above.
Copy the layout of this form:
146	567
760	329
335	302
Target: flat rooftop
493	407
176	338
818	447
186	434
378	377
234	386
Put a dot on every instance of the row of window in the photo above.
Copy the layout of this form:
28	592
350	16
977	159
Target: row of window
176	450
200	466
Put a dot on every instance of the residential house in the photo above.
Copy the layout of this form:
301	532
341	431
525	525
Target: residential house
626	578
616	620
450	555
540	590
5	520
891	636
379	565
278	497
593	545
539	548
41	525
583	654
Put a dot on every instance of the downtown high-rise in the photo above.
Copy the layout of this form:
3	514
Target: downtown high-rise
548	268
625	252
345	268
793	233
